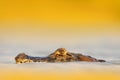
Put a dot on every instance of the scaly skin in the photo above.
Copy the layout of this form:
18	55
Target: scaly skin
60	55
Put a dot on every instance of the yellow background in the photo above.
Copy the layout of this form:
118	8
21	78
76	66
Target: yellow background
28	21
48	19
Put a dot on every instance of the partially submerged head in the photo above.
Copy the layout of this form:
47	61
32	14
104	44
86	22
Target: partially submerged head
21	58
